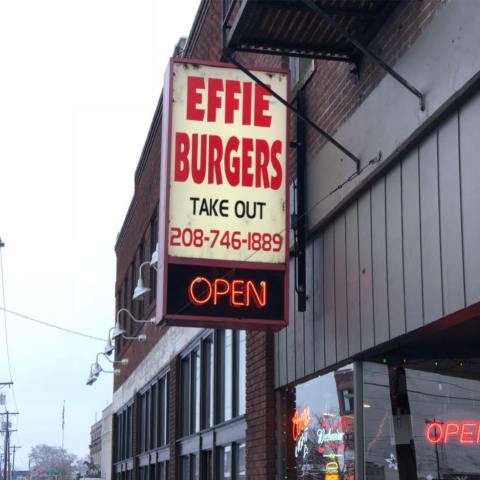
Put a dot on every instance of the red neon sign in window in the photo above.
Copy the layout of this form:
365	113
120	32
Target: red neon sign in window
300	421
240	293
466	432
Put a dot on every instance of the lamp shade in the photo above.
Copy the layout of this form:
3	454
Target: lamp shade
91	379
109	348
117	331
154	259
140	290
96	369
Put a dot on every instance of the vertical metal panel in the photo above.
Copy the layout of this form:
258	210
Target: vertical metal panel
318	303
329	295
282	356
341	319
470	186
379	261
450	216
366	283
276	359
353	281
430	228
412	260
396	298
308	315
299	341
291	369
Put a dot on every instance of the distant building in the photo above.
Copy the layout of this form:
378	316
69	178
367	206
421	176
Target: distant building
106	444
100	465
21	475
95	450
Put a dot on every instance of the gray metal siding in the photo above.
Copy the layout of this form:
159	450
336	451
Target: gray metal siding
353	285
379	263
309	325
412	257
470	186
431	248
329	295
450	217
318	304
403	254
366	278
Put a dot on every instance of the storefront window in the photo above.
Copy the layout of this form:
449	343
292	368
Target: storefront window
242	383
207	383
227	378
317	427
162	471
422	420
185	467
225	463
240	467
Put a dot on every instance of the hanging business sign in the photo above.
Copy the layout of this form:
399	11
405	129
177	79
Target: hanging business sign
224	198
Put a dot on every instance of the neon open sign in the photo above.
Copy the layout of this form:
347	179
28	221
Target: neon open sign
463	432
203	291
240	293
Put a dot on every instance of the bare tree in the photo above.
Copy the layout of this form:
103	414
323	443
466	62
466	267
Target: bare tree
51	463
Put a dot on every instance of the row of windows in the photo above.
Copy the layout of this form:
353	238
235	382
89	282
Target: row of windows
152	422
212	379
153	416
124	433
211	385
155	471
229	464
125	293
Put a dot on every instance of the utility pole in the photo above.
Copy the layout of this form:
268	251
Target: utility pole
6	451
14	449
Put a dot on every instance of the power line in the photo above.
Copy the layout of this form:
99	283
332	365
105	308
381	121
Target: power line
7	350
51	325
2	244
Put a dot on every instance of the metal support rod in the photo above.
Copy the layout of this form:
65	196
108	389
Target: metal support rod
247	72
300	224
313	6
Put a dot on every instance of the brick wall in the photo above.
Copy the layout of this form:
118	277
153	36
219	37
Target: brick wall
334	93
260	436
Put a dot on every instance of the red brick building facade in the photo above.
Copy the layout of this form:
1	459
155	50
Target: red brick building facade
341	97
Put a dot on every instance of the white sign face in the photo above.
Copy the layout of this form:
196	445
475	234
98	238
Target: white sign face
228	166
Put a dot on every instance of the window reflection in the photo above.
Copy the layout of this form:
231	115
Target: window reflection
318	428
224	471
227	379
421	420
241	372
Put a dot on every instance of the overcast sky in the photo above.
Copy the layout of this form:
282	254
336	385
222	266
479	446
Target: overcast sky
79	82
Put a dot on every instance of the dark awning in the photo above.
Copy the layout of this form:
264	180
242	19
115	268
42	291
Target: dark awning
290	27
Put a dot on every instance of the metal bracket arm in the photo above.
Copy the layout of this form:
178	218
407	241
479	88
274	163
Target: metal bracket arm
313	6
247	72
